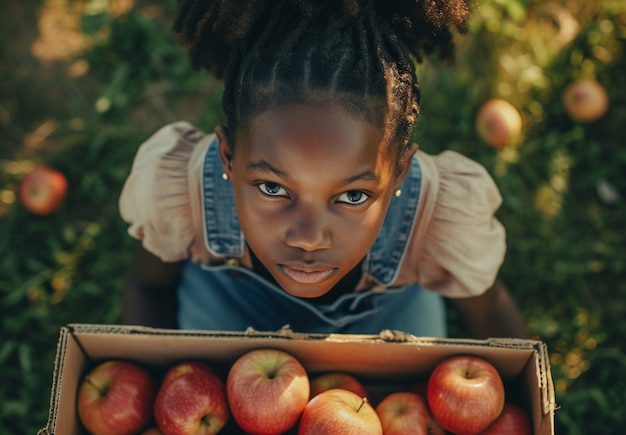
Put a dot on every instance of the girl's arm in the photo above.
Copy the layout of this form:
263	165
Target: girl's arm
492	314
149	293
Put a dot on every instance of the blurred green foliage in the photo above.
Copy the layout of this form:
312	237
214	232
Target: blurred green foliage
86	113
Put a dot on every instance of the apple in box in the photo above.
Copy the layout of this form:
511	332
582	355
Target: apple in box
512	421
267	391
191	400
115	398
339	411
406	413
329	381
465	394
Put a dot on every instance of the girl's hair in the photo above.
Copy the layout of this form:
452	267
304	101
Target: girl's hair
358	53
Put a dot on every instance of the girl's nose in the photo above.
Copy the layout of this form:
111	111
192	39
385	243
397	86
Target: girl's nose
309	231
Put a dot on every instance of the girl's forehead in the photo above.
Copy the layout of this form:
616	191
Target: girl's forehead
331	120
314	132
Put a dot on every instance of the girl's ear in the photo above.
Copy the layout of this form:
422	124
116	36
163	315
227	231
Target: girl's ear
405	164
225	150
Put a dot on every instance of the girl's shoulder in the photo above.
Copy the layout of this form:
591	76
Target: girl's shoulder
456	186
457	245
178	138
160	199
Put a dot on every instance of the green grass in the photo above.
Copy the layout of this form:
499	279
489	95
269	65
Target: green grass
566	261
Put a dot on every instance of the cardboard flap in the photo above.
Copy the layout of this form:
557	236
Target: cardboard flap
545	378
56	381
358	351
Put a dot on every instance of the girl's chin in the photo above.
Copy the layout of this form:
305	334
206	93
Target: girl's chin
306	292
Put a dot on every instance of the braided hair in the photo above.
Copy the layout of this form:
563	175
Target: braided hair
358	53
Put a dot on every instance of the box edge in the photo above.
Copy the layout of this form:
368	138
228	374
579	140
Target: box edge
57	375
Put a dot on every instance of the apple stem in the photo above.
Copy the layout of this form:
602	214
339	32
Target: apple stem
207	420
95	386
363	402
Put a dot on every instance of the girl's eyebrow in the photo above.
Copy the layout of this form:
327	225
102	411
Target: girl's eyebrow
366	175
265	166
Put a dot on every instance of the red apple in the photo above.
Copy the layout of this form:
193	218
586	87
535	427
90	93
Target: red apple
116	398
339	411
512	421
406	413
267	391
499	123
328	381
585	100
152	431
191	400
421	388
42	190
465	394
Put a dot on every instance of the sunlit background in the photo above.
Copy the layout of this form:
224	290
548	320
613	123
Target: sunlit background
83	82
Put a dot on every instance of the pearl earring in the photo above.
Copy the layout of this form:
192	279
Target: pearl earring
397	193
224	176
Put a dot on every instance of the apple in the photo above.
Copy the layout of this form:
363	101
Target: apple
498	123
42	190
406	413
152	431
465	394
191	400
328	381
267	390
116	398
585	100
339	411
512	421
420	388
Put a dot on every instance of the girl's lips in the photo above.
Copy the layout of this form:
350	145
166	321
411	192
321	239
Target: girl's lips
308	277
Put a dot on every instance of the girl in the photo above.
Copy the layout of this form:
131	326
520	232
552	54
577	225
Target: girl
312	208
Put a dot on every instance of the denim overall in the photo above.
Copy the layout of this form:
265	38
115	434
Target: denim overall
232	297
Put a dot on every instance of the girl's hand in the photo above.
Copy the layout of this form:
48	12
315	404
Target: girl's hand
492	314
149	293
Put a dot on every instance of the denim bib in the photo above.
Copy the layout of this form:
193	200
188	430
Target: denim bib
232	297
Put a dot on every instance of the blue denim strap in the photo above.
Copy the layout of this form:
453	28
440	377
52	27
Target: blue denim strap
383	262
223	233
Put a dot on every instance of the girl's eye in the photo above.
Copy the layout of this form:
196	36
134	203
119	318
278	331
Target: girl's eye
272	189
353	197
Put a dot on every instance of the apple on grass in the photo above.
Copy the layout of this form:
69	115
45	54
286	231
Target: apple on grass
465	394
42	190
267	390
191	400
328	381
406	413
116	398
339	411
585	100
499	123
512	421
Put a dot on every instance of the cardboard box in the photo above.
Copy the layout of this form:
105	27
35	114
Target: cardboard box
385	362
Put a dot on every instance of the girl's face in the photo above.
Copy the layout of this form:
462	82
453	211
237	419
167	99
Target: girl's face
312	186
